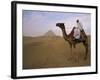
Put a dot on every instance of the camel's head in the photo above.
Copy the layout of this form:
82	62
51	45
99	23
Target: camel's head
61	25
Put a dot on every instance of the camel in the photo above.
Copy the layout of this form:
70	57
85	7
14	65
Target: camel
69	38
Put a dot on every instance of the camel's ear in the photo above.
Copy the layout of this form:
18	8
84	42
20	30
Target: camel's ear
63	24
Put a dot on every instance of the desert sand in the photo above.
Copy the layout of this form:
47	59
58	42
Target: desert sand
52	52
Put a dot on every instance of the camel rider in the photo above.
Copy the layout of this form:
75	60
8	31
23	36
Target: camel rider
78	30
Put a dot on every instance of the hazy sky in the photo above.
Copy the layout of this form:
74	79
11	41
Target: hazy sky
37	23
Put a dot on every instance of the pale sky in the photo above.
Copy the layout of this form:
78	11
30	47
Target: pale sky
37	23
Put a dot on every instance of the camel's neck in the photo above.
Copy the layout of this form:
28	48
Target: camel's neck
64	34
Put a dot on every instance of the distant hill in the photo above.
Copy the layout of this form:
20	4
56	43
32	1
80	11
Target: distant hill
49	33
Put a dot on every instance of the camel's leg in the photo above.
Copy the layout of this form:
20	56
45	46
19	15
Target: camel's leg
71	48
86	48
